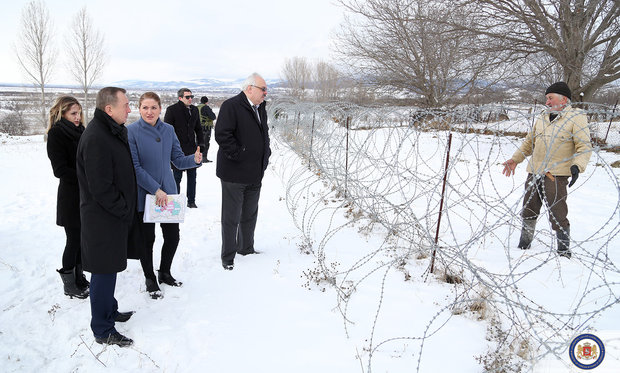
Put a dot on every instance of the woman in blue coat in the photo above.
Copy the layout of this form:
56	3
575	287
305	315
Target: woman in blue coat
154	145
63	134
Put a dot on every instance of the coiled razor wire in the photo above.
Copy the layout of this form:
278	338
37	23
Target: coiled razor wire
385	167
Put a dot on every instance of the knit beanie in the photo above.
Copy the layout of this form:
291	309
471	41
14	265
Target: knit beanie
560	88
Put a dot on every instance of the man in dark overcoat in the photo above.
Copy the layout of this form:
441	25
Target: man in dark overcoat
185	119
242	158
108	201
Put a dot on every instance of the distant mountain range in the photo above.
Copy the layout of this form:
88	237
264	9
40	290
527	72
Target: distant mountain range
196	84
210	85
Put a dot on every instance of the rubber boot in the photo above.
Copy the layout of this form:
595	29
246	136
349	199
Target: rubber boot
527	234
71	289
80	280
563	235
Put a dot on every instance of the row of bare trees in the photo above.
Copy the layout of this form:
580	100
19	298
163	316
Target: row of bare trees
36	50
438	50
318	80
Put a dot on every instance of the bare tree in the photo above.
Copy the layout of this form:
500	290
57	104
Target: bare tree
297	72
87	57
327	81
34	50
404	45
574	40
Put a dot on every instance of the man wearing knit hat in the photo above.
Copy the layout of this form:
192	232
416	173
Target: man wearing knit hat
559	146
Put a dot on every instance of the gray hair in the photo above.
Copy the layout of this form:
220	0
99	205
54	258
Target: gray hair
107	96
250	80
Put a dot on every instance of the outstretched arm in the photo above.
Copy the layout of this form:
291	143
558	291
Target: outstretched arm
509	167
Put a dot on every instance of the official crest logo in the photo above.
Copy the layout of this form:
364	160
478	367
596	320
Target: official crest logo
586	351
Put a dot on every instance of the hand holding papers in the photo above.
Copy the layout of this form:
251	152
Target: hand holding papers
173	212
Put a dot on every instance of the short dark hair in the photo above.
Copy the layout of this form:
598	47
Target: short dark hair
204	99
107	96
182	91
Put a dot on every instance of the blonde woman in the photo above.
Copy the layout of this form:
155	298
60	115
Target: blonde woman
63	135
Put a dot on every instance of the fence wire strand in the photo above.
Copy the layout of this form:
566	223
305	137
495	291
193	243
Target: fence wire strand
383	169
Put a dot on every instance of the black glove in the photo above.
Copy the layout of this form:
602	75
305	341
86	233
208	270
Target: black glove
574	171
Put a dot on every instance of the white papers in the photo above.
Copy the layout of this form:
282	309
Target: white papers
173	212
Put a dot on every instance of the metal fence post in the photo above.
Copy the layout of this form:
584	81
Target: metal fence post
443	189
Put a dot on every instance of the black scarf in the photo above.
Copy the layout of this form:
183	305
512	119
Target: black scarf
69	129
118	130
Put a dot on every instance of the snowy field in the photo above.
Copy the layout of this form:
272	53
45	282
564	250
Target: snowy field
269	314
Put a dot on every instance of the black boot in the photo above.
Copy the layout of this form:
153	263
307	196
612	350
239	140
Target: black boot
153	289
71	289
527	234
80	280
166	278
563	235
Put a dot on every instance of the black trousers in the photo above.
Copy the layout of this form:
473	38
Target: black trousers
71	255
191	182
239	214
170	232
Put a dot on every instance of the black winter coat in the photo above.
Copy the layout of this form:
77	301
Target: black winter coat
62	143
244	149
187	127
108	197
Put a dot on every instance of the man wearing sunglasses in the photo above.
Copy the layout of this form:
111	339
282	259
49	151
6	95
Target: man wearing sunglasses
185	119
242	159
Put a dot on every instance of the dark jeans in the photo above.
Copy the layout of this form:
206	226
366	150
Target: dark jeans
191	183
103	305
553	193
207	133
170	231
239	213
71	256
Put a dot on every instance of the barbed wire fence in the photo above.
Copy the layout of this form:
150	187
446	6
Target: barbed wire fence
384	169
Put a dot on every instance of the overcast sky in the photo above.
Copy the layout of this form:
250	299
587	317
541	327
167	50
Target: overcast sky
163	40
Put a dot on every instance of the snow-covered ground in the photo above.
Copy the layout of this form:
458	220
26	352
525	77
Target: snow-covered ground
267	315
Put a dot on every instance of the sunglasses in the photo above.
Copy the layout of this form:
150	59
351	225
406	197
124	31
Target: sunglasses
188	97
264	89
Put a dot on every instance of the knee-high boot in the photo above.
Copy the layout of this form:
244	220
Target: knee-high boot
68	280
80	280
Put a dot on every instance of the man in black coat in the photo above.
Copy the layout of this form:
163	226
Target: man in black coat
242	158
185	119
108	201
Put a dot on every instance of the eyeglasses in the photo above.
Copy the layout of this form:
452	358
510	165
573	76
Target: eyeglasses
188	97
264	89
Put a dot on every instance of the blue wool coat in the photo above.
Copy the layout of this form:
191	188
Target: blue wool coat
152	150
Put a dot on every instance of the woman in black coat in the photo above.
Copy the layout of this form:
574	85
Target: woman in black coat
63	135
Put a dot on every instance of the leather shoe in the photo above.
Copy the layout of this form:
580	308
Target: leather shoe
115	339
192	205
228	266
123	316
166	278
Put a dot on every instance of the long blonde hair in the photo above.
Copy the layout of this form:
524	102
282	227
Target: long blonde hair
61	106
